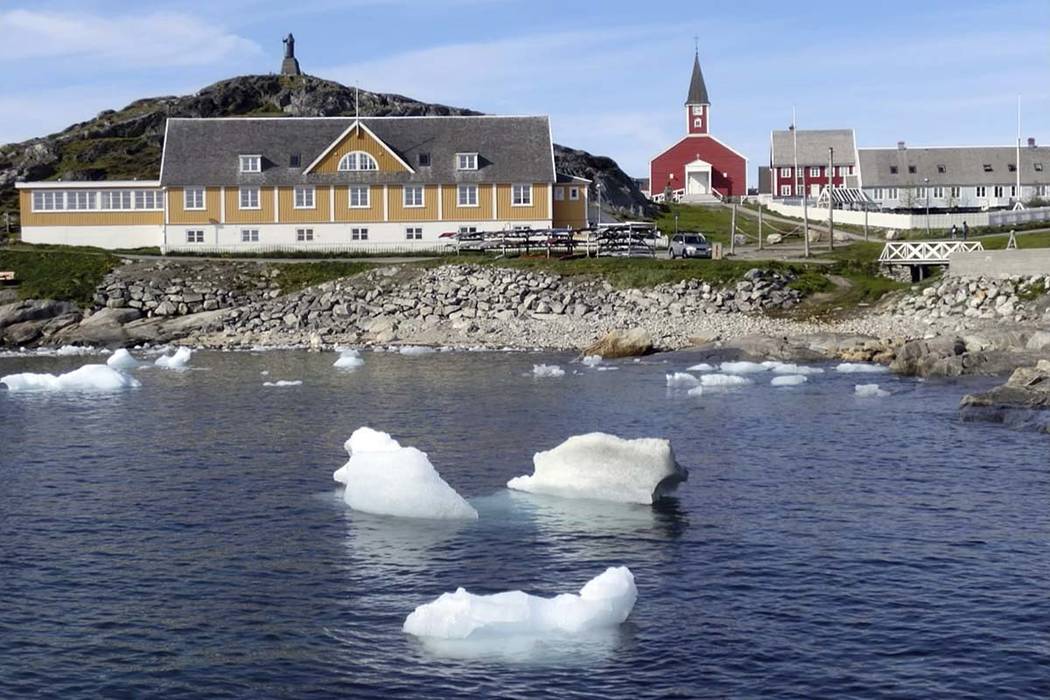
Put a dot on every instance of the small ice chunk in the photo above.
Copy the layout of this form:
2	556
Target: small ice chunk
415	350
788	368
87	378
384	478
696	391
348	359
681	380
860	367
724	380
605	467
743	367
789	380
702	367
265	373
75	350
284	382
869	391
592	360
547	371
604	601
177	361
122	359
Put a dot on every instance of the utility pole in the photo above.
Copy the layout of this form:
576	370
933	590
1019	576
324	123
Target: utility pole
831	201
760	226
805	211
732	232
926	186
1017	166
865	221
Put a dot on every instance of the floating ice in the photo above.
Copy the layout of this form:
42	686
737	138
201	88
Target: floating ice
122	359
547	371
869	391
702	367
604	467
177	361
696	391
348	359
789	380
284	382
75	350
592	360
415	350
788	368
87	378
384	478
860	367
681	380
604	601
724	380
743	367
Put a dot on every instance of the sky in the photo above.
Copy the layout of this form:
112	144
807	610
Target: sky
612	75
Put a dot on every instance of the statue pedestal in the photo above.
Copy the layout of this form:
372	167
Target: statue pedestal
290	66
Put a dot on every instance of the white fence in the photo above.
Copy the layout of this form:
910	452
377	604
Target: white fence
925	252
899	222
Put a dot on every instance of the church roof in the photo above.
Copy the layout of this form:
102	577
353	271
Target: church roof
697	87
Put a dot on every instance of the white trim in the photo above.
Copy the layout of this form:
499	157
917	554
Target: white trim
386	202
441	205
350	197
460	155
346	132
222	204
295	196
357	161
240	162
331	202
89	185
521	184
276	204
550	201
550	137
163	151
495	199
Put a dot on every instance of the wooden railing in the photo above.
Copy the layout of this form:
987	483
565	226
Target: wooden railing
925	252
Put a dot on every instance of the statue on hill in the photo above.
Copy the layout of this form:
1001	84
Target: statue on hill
290	64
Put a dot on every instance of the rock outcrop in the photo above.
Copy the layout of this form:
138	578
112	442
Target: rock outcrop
1023	401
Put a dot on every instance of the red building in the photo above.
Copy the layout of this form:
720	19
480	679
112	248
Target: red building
698	168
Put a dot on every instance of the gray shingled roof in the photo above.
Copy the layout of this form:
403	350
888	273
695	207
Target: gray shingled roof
697	86
204	152
962	166
813	147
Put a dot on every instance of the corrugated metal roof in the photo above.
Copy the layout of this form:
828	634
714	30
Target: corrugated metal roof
204	152
966	165
813	147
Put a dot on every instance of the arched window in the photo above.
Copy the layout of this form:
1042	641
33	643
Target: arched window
358	160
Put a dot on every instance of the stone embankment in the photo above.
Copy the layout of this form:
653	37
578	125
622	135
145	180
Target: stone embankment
1016	299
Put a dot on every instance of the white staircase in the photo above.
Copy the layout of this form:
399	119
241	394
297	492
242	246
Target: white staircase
700	199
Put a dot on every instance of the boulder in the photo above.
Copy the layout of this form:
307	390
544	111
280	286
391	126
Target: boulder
33	310
632	342
1040	340
1023	401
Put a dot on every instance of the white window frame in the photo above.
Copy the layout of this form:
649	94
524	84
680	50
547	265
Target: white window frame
249	235
559	194
466	161
698	110
304	197
81	200
785	172
471	200
891	193
249	191
189	199
304	235
955	192
1040	190
468	229
359	233
574	193
352	162
785	190
938	192
521	195
250	163
412	203
1013	190
876	193
698	122
413	233
194	235
920	192
366	203
814	171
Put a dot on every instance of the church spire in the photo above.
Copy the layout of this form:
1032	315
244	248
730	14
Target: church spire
697	87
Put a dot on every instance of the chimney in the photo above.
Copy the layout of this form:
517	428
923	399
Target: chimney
1031	142
900	146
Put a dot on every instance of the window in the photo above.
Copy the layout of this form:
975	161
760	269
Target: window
559	194
698	110
891	193
876	193
193	198
785	190
423	159
521	195
942	169
304	197
920	192
850	170
357	160
249	235
359	197
955	191
468	229
698	122
82	199
785	172
359	234
893	170
251	164
46	201
1012	167
97	200
466	161
1038	167
574	193
414	233
911	169
987	167
115	200
295	160
997	191
842	170
938	193
194	235
302	235
468	195
249	198
149	199
1013	190
982	192
814	172
412	195
1040	190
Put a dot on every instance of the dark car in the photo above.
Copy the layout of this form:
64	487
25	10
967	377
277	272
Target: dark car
690	245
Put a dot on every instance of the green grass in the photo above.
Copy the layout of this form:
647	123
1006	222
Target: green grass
51	274
292	277
714	222
1028	240
811	282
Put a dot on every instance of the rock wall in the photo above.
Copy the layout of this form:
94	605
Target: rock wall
1014	299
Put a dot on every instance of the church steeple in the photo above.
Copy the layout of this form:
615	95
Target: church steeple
697	103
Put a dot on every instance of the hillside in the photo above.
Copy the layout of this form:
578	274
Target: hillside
126	144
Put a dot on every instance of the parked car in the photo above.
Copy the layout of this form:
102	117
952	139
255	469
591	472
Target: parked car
690	245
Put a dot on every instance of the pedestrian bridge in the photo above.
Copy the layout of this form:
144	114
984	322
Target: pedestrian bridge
925	252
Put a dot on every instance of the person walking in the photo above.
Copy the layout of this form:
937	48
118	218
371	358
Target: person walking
955	232
966	230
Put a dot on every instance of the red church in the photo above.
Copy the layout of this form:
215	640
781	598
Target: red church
699	168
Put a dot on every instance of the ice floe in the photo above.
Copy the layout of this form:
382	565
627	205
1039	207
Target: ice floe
743	367
604	467
860	367
177	361
87	378
348	359
122	359
384	478
604	601
547	371
789	380
592	360
869	391
788	368
702	367
681	380
724	380
284	382
415	350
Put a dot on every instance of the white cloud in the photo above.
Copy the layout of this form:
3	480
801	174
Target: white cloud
146	40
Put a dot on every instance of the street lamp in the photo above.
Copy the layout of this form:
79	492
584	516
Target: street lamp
926	186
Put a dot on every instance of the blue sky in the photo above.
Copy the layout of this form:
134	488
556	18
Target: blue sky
612	75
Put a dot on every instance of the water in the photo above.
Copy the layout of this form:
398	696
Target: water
186	540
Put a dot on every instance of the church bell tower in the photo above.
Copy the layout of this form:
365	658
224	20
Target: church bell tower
697	104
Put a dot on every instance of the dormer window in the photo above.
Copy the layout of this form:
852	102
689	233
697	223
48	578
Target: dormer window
251	164
942	169
295	160
356	161
1038	167
423	159
987	167
1012	167
893	170
466	161
911	169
